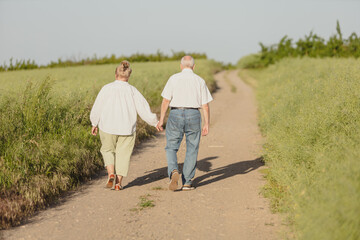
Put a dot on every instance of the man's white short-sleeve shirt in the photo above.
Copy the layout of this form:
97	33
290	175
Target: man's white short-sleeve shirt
186	89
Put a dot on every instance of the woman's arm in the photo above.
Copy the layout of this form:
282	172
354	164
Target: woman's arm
143	109
96	112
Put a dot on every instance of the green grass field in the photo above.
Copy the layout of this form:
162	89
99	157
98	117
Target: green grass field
45	143
147	77
310	116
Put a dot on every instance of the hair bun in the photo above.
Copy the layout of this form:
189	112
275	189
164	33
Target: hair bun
125	65
123	70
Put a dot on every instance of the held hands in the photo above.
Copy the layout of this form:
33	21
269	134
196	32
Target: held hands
204	132
159	126
94	131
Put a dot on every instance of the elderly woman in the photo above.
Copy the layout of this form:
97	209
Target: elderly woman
115	112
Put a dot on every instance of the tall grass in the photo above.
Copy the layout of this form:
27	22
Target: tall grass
45	143
310	115
73	81
45	149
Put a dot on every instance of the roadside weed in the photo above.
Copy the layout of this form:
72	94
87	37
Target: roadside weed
309	113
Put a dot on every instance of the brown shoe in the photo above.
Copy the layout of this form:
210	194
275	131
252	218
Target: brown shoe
110	181
118	187
174	180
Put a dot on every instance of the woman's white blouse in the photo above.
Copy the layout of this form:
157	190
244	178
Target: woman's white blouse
116	107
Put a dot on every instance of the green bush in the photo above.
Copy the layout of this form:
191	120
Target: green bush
137	57
310	115
250	61
311	46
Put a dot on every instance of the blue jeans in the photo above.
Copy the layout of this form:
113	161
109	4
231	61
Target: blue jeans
180	122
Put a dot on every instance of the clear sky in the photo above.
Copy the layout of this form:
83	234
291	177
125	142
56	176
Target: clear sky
225	30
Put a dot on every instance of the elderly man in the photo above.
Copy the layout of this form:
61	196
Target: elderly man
185	93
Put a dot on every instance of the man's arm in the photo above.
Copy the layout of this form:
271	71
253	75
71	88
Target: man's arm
164	106
206	110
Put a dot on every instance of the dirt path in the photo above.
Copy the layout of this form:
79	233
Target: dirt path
225	205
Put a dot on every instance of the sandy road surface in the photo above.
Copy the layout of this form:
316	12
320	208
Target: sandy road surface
225	205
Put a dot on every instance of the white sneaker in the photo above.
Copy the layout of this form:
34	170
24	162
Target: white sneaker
187	188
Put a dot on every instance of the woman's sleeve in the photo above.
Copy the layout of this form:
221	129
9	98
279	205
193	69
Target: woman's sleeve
97	108
143	109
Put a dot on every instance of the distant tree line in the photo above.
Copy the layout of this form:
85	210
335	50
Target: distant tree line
138	57
312	46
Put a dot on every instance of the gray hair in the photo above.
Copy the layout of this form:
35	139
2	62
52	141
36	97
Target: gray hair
188	61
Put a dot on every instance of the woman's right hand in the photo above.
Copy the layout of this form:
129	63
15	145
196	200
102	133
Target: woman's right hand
94	131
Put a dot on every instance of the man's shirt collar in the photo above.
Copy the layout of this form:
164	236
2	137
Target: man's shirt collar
187	70
119	81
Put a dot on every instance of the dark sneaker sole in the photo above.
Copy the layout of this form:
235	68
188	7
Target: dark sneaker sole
174	181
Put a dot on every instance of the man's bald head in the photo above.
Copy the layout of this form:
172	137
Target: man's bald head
187	62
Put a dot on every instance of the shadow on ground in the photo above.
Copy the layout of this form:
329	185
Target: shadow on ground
204	165
218	174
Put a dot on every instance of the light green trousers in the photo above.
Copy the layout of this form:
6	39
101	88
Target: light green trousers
116	150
